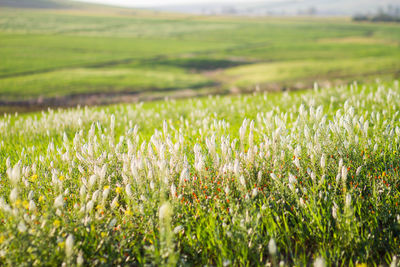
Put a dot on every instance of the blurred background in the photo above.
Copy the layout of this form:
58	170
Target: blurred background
60	53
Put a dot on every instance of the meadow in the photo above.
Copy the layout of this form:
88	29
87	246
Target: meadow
48	53
284	178
293	178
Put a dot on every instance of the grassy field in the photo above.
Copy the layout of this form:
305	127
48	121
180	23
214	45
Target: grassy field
290	178
57	52
294	178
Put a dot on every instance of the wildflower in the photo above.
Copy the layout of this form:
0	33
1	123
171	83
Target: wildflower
59	202
128	212
106	192
334	211
89	206
165	211
344	174
128	190
14	195
254	192
242	180
33	178
323	161
61	245
173	190
69	245
358	170
114	203
272	247
178	229
14	174
80	260
56	223
348	200
319	262
118	190
394	262
22	227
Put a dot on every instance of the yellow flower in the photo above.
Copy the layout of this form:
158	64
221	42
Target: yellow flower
56	223
103	234
61	178
34	178
61	245
99	207
41	198
106	187
383	174
118	190
18	202
128	212
25	203
2	239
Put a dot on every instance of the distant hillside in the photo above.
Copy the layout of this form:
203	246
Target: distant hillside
36	3
284	7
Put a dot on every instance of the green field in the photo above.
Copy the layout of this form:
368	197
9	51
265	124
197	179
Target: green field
282	177
49	53
273	178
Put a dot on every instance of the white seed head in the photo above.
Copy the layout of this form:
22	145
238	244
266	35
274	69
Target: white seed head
165	211
69	246
13	195
22	227
319	262
32	205
59	202
272	247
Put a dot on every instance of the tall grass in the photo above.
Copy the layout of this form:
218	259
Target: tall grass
285	179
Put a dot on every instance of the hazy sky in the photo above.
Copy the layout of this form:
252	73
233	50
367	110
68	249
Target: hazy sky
150	3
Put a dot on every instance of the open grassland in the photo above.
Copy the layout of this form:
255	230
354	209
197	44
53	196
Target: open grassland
57	52
283	178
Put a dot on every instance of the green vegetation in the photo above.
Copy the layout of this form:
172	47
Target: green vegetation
285	178
273	178
46	53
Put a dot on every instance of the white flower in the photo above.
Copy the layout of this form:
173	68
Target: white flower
319	262
59	202
358	170
242	180
14	195
89	206
227	190
344	174
173	190
323	161
165	211
178	229
114	203
254	192
22	227
348	200
32	205
106	191
272	247
334	211
80	260
14	174
69	245
128	190
394	262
